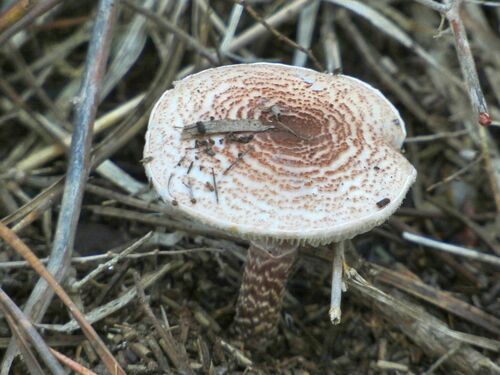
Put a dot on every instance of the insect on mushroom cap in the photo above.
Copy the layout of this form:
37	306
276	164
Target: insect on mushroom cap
329	156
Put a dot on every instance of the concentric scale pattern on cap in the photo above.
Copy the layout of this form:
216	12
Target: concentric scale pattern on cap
329	169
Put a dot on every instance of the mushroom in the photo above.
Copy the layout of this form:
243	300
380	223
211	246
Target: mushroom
309	158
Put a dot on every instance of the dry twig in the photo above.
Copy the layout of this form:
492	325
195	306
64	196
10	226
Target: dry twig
25	328
279	35
453	249
20	15
23	250
78	168
174	352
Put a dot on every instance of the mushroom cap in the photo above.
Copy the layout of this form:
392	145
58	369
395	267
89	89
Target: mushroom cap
330	169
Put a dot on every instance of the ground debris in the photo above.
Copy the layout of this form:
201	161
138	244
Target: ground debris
166	304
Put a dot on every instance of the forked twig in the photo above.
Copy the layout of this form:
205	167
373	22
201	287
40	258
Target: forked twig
451	10
467	63
101	267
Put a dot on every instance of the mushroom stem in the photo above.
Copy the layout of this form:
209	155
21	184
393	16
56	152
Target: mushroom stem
261	294
336	292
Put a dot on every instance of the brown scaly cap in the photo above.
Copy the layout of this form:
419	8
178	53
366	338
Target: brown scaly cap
330	169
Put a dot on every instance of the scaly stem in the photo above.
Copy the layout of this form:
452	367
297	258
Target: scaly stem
261	295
